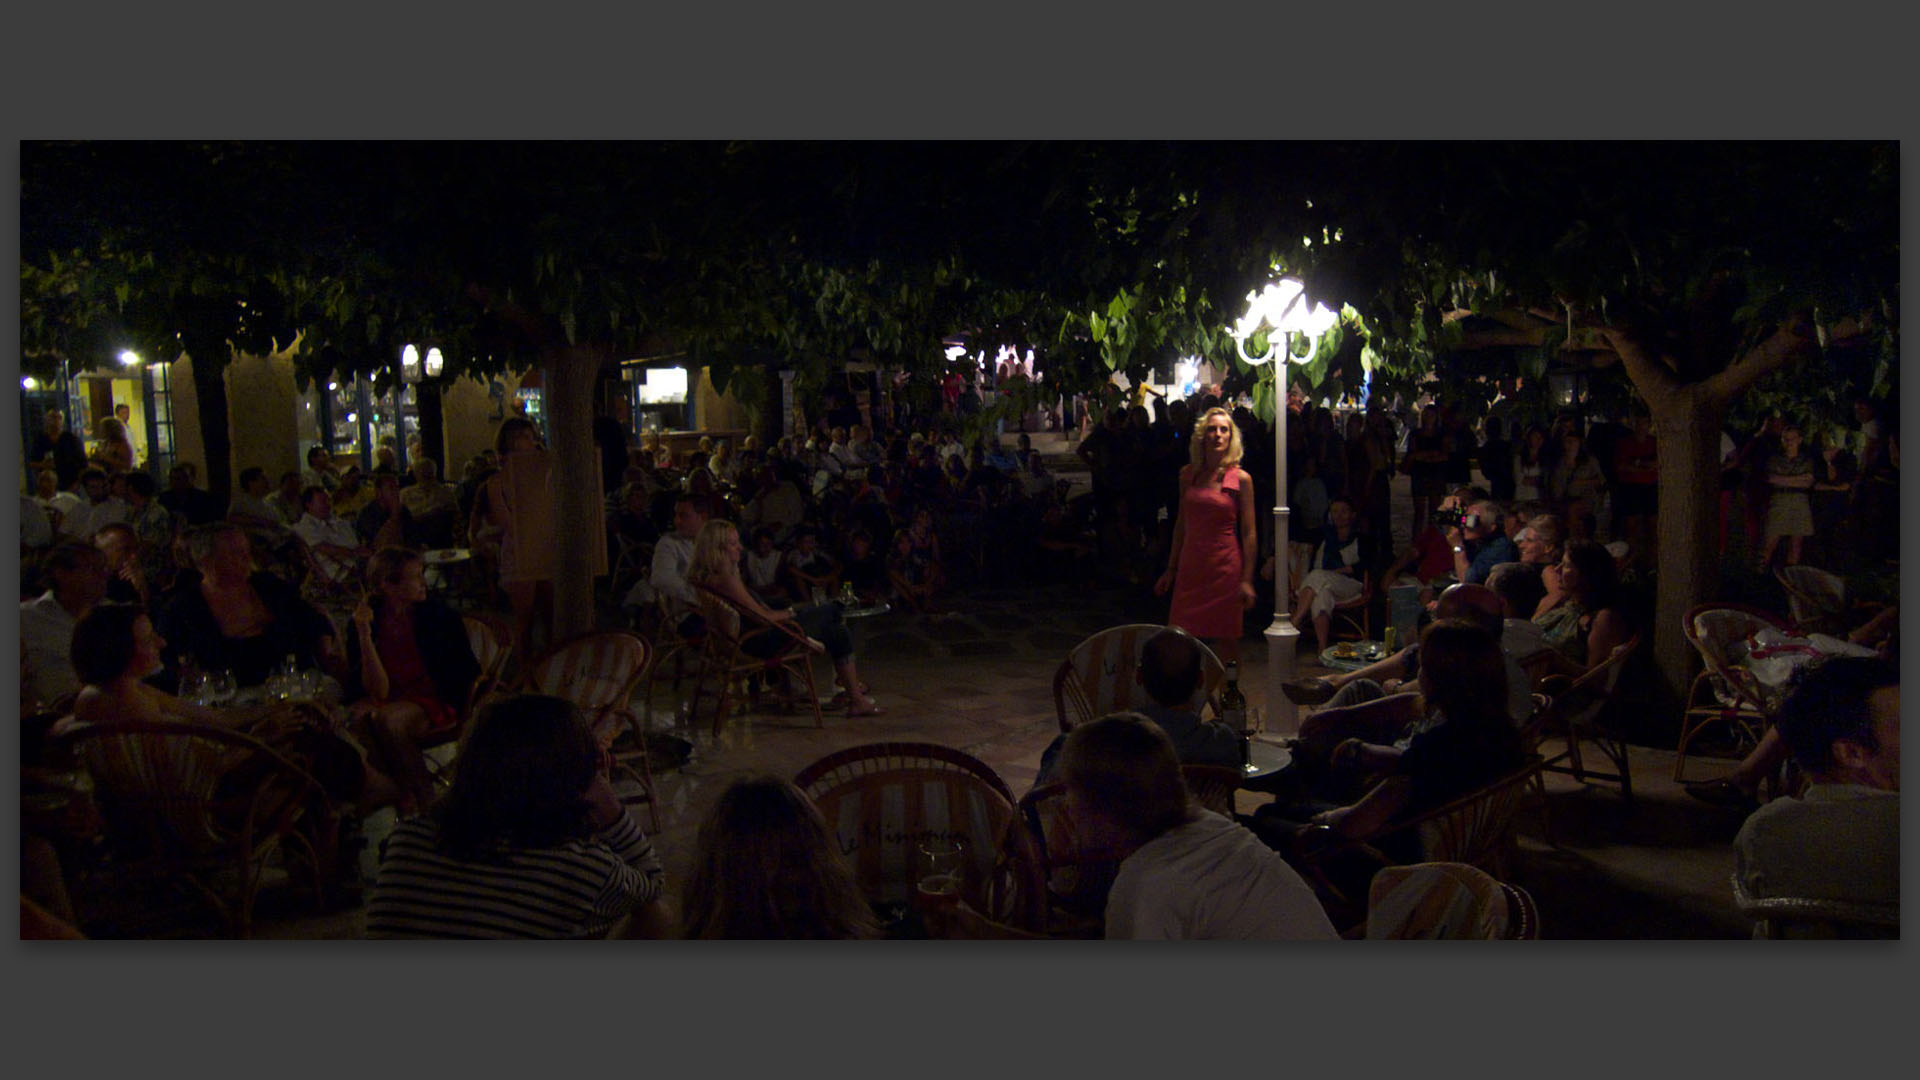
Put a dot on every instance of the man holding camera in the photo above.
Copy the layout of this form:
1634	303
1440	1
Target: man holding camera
1479	542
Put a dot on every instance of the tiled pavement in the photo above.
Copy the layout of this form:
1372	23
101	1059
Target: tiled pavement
980	679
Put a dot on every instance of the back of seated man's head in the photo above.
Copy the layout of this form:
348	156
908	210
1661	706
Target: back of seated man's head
1170	667
1123	768
1842	721
1519	588
1475	603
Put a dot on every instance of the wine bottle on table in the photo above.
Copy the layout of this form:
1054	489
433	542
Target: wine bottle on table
1233	708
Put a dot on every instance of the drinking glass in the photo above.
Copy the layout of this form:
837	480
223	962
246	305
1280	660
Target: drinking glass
220	688
193	688
942	871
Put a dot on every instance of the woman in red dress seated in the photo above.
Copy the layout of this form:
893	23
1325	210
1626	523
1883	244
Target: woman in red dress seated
410	668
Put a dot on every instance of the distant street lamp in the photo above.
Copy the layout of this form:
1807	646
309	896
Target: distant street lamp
1282	311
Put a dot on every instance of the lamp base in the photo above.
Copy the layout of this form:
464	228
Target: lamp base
1283	640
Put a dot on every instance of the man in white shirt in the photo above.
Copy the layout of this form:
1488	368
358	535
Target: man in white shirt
96	509
1841	839
672	557
1185	872
78	574
335	546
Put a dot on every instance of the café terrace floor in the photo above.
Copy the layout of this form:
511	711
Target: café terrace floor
980	679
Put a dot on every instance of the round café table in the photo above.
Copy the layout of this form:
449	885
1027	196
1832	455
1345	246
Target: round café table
1365	652
440	563
1265	758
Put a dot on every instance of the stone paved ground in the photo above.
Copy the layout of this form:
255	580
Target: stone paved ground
980	679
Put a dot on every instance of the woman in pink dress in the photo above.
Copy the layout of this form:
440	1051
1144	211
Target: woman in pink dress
1211	573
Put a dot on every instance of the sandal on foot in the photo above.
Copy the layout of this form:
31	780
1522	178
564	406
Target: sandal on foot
869	709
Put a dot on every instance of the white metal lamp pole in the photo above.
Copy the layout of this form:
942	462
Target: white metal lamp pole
1280	309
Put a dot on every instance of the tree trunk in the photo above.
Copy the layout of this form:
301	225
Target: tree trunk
1687	430
570	376
433	432
216	442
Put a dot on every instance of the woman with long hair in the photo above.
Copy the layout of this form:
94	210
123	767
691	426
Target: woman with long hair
1464	740
766	866
1530	465
529	842
116	449
410	667
716	565
1214	539
1580	616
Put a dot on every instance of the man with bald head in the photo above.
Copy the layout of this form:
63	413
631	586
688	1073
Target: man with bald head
1376	681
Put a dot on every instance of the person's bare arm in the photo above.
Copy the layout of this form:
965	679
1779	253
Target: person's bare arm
1372	813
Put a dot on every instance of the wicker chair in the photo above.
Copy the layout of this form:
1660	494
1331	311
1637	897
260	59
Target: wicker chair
207	806
881	798
601	672
1352	620
1811	917
1573	713
1816	599
487	636
1439	900
1077	878
1724	692
730	627
1097	677
1476	829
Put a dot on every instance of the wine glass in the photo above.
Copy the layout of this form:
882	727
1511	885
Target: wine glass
942	871
220	688
193	686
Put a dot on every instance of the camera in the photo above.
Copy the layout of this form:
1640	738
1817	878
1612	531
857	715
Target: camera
1454	518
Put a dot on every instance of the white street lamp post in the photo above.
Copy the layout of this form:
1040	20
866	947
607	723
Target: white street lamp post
1281	310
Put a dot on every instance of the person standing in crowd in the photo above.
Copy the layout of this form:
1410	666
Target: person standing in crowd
520	504
1185	872
1789	509
116	449
1636	493
61	447
285	499
1425	465
1575	484
1214	539
1752	462
1841	839
1530	466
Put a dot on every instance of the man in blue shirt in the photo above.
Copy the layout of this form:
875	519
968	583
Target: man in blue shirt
1481	543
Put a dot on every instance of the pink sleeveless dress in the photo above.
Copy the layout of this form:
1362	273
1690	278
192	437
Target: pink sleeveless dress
1206	588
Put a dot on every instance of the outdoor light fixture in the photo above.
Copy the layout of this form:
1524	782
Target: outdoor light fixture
28	382
333	386
435	363
129	358
410	364
1280	310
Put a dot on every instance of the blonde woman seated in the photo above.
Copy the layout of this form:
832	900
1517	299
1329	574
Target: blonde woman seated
767	867
716	565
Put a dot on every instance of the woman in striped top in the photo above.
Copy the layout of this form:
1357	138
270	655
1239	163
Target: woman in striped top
530	841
